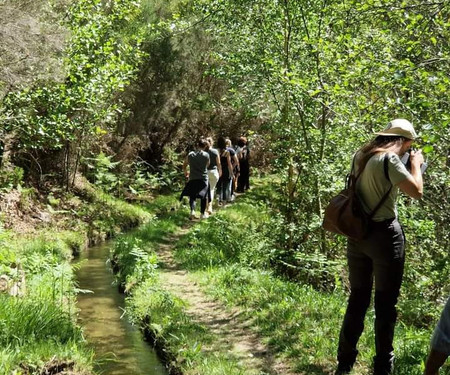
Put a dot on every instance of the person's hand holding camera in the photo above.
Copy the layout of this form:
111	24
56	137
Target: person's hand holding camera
416	158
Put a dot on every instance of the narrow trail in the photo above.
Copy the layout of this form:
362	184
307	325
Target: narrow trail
229	325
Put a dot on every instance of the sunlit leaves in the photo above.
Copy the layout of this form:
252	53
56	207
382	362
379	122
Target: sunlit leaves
99	63
330	73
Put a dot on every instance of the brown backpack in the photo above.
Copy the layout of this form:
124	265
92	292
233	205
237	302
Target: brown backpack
345	214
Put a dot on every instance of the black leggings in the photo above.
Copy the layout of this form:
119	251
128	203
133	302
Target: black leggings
203	202
381	257
244	177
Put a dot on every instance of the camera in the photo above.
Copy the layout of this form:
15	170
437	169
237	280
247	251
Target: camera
406	160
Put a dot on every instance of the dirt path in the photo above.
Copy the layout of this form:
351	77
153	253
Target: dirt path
229	325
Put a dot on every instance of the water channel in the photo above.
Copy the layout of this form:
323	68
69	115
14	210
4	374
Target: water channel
120	347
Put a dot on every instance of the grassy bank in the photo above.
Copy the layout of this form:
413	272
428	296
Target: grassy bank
38	329
302	324
180	341
234	257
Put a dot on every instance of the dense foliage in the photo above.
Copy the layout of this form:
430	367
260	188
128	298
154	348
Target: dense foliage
309	82
326	74
99	62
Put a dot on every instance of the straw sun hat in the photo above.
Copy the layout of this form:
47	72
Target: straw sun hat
399	127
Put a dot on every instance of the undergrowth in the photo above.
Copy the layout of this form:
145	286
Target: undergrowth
38	324
181	341
235	257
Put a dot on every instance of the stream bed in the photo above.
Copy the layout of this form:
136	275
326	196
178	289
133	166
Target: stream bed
120	347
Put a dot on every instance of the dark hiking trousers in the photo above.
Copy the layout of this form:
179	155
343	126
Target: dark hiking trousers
381	256
244	177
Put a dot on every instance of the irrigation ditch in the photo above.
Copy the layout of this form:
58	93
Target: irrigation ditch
120	347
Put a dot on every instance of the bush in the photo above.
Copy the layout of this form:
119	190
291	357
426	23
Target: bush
10	178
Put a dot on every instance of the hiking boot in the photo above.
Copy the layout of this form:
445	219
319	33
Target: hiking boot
384	364
342	370
204	216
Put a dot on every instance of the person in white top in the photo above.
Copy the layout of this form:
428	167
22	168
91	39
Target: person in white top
214	171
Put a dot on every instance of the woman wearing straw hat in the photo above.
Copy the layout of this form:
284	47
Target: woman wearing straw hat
380	256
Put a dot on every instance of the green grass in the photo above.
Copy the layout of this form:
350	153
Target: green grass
133	252
34	320
41	325
34	356
233	257
221	240
297	321
164	316
303	324
158	311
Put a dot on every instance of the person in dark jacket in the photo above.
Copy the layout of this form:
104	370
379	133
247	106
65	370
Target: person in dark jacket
197	186
243	154
224	184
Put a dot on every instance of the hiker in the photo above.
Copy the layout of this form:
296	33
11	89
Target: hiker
381	255
223	186
214	171
440	343
243	154
197	185
235	165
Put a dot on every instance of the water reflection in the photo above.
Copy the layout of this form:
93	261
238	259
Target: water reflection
119	347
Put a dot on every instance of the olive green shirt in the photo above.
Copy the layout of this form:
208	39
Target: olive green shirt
372	185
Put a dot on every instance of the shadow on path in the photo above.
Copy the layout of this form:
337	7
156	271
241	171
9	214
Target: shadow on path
234	333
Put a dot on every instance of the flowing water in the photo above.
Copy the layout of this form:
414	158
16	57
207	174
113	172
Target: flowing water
120	347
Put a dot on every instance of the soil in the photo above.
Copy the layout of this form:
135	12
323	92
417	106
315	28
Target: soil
21	215
28	211
231	327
